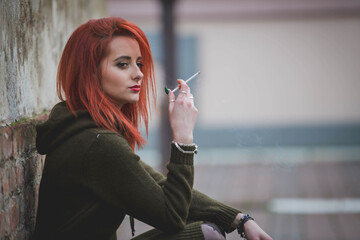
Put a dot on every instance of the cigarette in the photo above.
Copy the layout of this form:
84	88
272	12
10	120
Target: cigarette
186	81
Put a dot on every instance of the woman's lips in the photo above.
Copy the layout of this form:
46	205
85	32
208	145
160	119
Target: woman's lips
135	88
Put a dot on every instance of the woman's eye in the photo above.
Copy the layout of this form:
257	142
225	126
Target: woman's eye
140	65
122	65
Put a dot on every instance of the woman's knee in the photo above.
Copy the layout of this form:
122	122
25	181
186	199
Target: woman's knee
212	232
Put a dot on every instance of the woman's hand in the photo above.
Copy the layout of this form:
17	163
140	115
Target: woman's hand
251	229
182	114
254	232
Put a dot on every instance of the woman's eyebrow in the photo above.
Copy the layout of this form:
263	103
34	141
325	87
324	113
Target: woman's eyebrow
126	57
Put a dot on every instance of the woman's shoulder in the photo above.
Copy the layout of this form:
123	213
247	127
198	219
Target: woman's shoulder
108	134
109	145
107	138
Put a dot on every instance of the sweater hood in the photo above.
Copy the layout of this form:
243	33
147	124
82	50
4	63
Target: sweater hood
60	126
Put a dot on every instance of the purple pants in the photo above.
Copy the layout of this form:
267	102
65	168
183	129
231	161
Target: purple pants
212	232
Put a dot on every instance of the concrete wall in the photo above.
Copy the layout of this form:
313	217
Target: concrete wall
33	34
277	72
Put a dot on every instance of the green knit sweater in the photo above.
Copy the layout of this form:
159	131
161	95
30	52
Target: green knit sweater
92	179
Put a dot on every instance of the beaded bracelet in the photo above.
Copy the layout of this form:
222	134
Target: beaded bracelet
240	226
179	145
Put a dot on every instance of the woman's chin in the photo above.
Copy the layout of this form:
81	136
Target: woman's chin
123	102
132	101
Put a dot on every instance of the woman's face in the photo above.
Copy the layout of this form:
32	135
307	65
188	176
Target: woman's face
121	70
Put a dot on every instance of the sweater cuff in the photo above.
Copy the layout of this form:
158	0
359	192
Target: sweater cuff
191	231
176	156
226	217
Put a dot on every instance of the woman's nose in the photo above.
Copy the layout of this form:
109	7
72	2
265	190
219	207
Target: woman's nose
137	74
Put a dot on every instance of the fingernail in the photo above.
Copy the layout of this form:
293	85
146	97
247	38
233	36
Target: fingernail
166	90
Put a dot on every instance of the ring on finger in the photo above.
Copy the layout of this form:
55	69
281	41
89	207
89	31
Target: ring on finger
183	92
171	100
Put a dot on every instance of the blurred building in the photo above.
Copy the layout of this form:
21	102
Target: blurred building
273	73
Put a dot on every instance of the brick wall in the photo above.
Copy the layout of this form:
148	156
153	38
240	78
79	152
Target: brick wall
32	36
20	174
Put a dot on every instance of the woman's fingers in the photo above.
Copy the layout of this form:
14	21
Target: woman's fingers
184	92
183	86
184	96
191	97
171	99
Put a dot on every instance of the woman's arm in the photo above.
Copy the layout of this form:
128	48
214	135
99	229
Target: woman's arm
113	174
203	208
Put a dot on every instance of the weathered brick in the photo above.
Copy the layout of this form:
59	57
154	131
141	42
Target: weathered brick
2	158
28	170
4	182
39	165
2	202
6	143
2	223
21	234
37	187
22	206
29	138
14	215
22	139
12	179
6	226
2	173
29	213
16	175
17	142
19	173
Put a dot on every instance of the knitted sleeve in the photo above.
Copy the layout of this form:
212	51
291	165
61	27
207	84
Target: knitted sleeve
115	174
203	208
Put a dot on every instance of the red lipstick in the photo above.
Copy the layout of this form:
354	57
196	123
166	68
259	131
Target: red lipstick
135	88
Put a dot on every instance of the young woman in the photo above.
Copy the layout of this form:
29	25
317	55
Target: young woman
92	178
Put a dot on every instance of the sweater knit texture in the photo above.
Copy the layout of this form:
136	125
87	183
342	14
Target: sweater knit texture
92	179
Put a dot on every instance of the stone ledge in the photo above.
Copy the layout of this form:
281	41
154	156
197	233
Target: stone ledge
18	140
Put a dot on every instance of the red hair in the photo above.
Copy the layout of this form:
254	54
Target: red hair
79	77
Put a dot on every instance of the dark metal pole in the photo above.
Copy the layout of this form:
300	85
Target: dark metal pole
168	37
